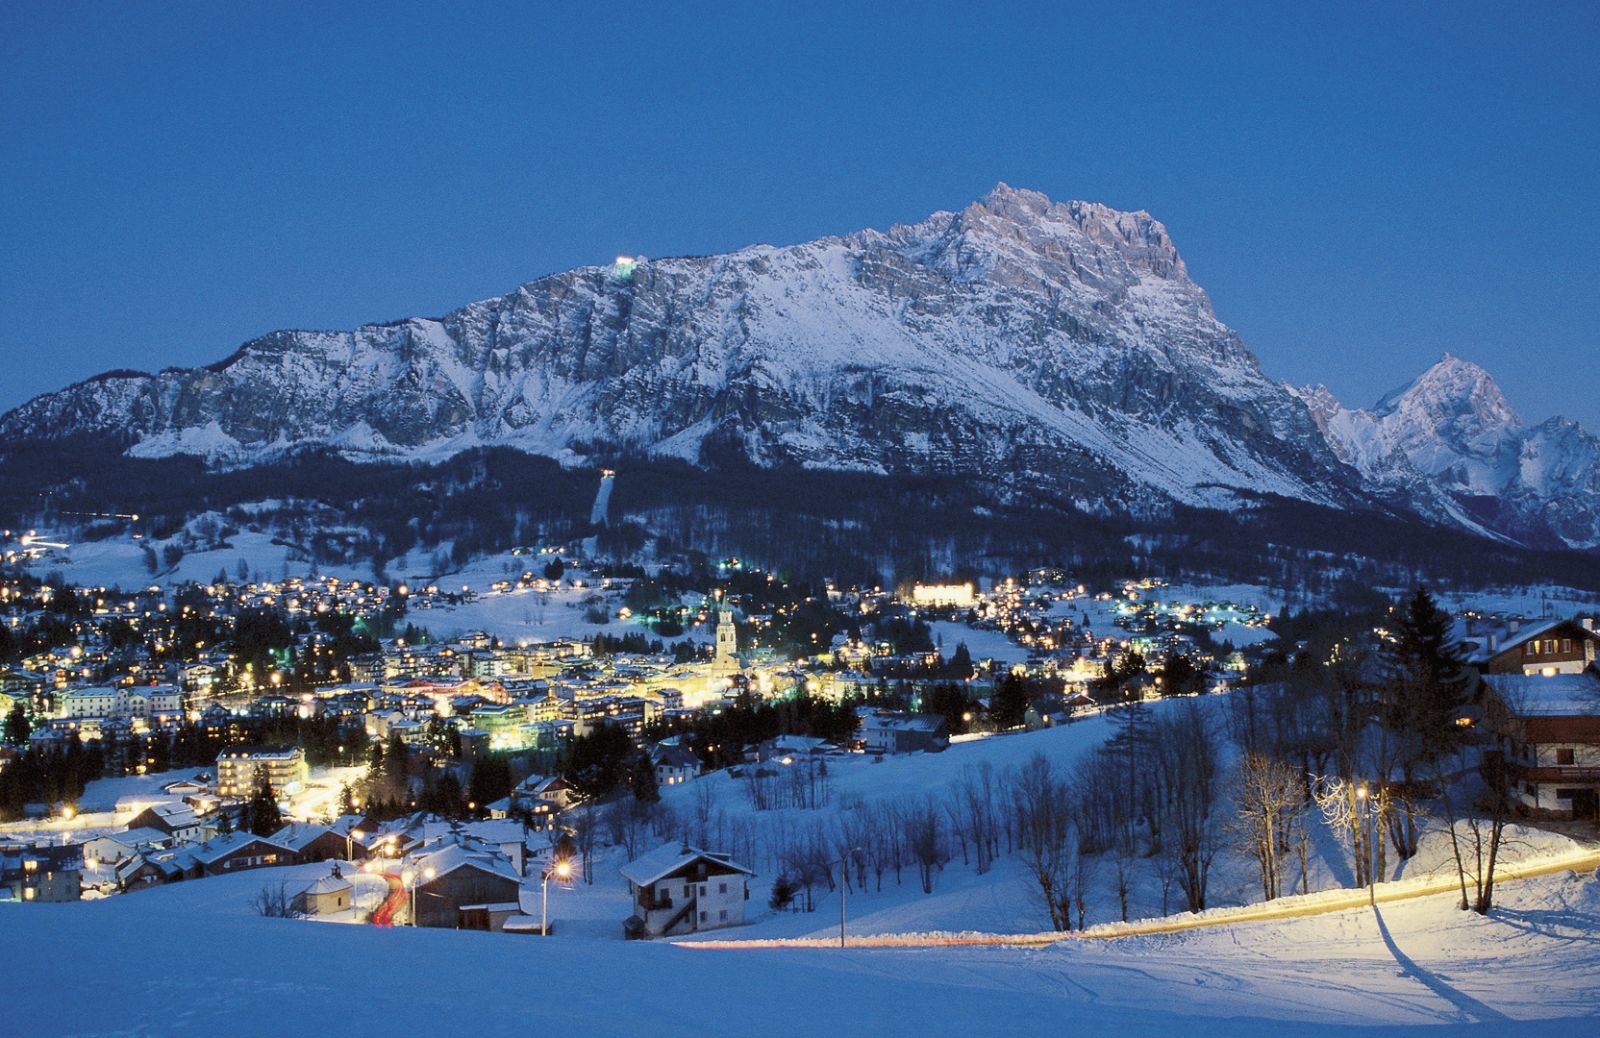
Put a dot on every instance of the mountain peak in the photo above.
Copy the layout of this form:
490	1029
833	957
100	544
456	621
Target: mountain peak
1454	389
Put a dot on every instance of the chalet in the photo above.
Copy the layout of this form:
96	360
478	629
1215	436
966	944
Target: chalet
187	787
151	868
1545	647
1047	711
674	764
237	852
1548	729
454	878
508	838
554	791
177	820
679	889
114	848
41	874
889	731
315	842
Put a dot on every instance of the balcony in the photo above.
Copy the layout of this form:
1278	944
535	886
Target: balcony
1558	774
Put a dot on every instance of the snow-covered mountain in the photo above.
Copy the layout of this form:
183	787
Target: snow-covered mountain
1029	346
1059	347
1452	445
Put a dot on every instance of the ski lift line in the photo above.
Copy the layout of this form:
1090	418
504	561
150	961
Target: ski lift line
134	516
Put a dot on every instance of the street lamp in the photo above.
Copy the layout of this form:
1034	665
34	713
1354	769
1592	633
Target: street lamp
1365	811
409	877
350	838
562	870
844	866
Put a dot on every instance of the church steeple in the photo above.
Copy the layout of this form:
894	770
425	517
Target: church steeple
727	658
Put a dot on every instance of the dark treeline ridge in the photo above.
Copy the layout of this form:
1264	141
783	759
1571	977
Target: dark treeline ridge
802	524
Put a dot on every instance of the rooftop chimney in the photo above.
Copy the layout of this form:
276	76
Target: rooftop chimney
1513	626
1494	642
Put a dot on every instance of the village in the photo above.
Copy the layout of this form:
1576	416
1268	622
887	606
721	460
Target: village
449	783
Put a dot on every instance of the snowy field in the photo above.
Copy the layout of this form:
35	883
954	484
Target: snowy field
982	644
1369	970
206	966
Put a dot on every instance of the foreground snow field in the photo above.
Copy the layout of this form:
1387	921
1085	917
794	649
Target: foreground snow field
191	960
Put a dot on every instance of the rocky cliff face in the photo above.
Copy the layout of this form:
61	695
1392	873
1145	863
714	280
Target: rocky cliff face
1035	345
1451	445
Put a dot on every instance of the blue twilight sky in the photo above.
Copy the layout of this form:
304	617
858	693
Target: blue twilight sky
1361	188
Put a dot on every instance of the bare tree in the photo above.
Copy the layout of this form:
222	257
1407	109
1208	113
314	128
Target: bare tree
925	837
1268	793
1187	758
627	819
973	815
274	901
1343	805
1045	837
584	823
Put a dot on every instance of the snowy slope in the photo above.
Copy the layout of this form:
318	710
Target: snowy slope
206	966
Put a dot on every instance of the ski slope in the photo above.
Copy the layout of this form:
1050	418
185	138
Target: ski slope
205	965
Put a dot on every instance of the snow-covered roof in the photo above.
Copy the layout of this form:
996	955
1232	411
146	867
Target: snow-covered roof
225	845
497	831
137	837
1490	639
1558	695
298	835
328	885
669	858
452	856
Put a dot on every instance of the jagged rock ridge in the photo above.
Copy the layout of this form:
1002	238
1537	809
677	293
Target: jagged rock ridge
1452	445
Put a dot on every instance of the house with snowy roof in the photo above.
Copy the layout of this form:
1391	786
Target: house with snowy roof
151	868
1514	646
238	851
178	820
114	848
41	873
674	764
679	889
327	895
1548	730
310	842
455	875
890	731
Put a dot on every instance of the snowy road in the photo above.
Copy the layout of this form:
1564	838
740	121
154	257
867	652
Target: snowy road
1293	907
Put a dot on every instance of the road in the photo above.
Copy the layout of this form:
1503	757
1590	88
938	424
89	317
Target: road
1285	908
384	914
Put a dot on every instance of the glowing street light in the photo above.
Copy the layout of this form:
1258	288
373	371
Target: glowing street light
562	870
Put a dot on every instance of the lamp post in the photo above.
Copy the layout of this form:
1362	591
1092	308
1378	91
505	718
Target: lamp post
350	838
409	877
844	866
1363	810
562	870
